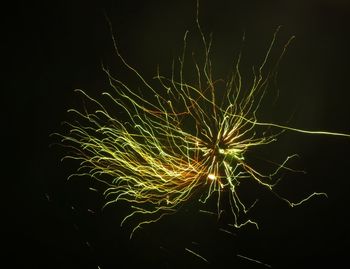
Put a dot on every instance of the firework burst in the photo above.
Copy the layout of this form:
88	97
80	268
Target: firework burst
190	138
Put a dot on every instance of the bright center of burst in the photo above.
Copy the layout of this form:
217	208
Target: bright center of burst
221	158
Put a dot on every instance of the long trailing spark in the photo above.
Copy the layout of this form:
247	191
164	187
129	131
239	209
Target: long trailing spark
190	138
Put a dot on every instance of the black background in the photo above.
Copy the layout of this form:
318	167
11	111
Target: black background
55	47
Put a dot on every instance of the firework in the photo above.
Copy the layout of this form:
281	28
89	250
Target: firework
188	138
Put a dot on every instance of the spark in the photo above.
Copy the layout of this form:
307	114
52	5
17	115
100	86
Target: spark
253	260
197	255
226	231
93	189
207	212
91	211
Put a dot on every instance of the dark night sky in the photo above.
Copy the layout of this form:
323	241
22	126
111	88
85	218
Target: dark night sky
54	48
